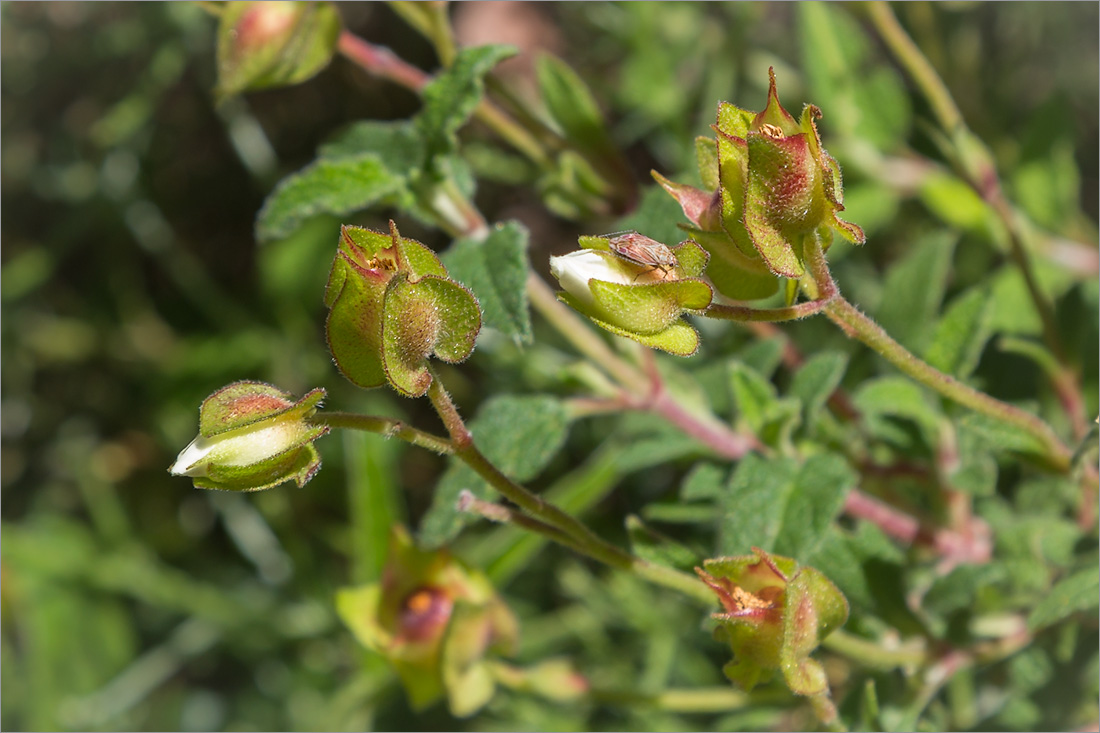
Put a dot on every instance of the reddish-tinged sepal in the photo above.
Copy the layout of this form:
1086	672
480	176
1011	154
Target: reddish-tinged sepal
775	613
392	306
775	187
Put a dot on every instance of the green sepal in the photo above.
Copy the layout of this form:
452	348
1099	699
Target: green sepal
298	464
353	327
773	113
706	156
363	609
678	339
735	274
733	162
806	608
651	307
432	315
732	120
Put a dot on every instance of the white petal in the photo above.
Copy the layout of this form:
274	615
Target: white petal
189	460
575	269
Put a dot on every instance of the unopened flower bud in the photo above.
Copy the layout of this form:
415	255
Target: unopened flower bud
775	614
267	44
636	287
776	187
392	306
252	436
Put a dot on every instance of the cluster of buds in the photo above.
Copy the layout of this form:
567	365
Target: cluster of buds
253	436
391	307
773	187
436	621
775	614
636	287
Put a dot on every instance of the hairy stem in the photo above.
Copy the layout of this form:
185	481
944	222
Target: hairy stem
742	313
857	325
386	427
581	538
980	172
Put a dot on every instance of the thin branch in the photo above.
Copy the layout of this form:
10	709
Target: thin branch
386	427
774	315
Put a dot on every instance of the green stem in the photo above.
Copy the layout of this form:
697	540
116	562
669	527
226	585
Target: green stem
380	61
581	538
384	426
742	313
857	325
916	64
978	168
873	654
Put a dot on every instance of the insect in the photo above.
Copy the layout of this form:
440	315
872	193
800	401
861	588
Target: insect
641	250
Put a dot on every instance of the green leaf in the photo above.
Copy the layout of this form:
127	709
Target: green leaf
773	503
1077	592
763	356
452	97
706	481
957	589
816	499
769	418
573	107
262	45
955	203
398	146
884	398
339	186
1003	436
959	337
496	270
817	380
914	288
752	507
519	435
753	396
1013	310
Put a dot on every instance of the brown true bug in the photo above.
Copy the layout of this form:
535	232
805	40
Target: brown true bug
641	250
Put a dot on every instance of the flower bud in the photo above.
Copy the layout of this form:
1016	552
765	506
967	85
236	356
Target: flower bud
267	44
435	620
776	186
775	614
636	287
391	307
252	436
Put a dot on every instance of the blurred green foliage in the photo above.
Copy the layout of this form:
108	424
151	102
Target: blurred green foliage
132	287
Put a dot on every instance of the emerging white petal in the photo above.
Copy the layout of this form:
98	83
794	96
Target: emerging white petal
575	269
244	447
189	462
